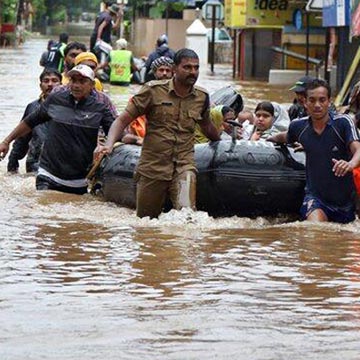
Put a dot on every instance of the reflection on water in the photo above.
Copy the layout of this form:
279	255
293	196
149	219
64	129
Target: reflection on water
85	278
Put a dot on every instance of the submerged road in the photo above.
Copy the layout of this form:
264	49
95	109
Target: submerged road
82	278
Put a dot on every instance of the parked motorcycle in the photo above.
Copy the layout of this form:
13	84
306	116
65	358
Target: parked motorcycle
102	51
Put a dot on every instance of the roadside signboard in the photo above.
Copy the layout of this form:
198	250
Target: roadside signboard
314	5
336	13
262	13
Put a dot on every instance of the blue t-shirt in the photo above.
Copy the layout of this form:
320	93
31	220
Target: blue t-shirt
332	143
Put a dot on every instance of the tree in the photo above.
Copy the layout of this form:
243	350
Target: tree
56	8
8	11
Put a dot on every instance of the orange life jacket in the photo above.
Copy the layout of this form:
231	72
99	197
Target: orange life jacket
138	126
356	174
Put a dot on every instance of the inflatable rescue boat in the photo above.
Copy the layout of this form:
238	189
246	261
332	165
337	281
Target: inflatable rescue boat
235	177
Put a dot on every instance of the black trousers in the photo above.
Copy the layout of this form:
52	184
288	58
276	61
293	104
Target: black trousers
45	183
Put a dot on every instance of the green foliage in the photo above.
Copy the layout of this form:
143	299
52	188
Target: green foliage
39	9
178	6
60	15
9	8
158	10
55	9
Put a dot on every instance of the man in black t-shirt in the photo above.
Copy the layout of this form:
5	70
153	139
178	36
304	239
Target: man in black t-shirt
104	26
74	115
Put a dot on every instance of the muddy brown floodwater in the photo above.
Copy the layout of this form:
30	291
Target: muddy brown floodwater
82	278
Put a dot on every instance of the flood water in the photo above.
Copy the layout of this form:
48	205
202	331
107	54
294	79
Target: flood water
82	278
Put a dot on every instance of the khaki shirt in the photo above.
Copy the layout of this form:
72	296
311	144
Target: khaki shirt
169	141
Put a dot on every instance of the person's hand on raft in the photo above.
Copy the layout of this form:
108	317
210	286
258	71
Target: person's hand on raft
102	150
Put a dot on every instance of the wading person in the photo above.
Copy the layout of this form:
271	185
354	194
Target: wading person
105	22
162	68
74	114
332	148
31	144
172	108
55	55
71	51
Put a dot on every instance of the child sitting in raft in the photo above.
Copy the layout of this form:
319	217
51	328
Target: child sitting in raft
270	119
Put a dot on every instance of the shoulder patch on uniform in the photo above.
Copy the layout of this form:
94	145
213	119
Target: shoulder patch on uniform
197	87
153	83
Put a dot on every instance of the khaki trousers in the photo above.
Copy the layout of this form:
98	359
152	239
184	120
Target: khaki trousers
151	193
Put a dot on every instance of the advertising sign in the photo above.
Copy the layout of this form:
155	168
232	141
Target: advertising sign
260	13
336	13
235	13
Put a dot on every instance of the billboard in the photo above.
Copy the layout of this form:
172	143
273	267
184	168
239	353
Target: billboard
261	13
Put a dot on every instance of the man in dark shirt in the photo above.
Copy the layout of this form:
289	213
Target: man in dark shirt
332	146
104	25
74	115
31	144
162	49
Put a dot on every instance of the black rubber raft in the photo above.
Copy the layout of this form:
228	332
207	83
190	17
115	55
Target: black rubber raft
235	177
243	178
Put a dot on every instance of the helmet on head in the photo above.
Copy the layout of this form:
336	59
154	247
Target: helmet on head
162	39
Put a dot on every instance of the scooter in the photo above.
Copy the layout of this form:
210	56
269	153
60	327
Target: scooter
102	51
138	77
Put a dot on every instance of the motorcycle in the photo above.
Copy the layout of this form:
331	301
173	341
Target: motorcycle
102	51
138	77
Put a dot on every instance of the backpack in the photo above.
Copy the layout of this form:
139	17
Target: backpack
55	58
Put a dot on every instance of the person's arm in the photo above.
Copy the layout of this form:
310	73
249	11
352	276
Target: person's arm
115	133
32	112
20	148
132	139
136	107
21	144
209	129
119	16
280	138
21	130
342	167
105	64
100	30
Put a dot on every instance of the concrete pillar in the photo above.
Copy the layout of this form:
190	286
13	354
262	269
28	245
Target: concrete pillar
196	39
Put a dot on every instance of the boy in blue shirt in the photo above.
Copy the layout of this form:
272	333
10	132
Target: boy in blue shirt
332	146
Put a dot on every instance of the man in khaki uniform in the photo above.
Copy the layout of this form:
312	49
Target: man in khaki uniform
172	108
